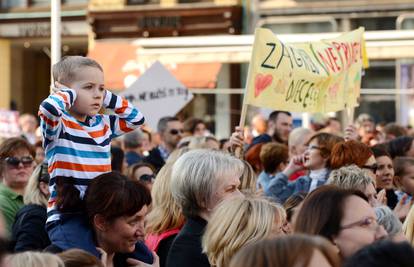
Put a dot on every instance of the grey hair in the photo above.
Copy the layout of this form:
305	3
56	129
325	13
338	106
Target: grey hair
162	123
195	176
362	118
296	136
387	218
350	177
133	139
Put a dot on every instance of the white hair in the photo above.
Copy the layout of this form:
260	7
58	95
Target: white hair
195	176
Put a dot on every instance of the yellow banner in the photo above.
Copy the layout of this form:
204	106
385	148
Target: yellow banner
322	76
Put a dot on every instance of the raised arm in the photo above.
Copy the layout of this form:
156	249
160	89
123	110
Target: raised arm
52	108
126	118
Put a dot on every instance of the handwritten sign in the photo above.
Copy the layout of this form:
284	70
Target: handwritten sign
157	93
322	76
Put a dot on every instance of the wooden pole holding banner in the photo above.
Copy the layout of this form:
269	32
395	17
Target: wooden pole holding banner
238	152
349	111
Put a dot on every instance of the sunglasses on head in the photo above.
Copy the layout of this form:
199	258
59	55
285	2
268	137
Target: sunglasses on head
175	131
15	162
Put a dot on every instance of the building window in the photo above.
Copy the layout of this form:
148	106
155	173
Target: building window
40	2
375	24
12	3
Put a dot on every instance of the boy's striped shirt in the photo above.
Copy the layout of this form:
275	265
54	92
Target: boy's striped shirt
78	150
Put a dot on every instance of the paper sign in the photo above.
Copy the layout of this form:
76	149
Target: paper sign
157	93
322	76
9	123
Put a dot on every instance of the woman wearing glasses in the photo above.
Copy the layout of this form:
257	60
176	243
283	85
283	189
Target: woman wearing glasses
342	216
316	159
143	172
16	166
28	232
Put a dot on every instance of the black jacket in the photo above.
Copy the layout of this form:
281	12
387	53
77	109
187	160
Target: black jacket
186	249
28	231
155	159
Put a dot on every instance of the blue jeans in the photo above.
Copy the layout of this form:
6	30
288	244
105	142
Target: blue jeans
72	231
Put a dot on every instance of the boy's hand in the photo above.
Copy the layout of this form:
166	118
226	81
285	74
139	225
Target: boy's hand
57	87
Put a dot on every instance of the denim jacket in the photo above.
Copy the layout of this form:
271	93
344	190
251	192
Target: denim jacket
281	189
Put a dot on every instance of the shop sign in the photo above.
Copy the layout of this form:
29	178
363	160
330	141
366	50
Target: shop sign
42	29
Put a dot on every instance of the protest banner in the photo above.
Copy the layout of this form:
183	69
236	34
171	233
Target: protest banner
157	93
9	123
323	76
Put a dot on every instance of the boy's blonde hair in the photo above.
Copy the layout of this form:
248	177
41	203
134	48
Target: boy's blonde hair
34	259
65	70
236	223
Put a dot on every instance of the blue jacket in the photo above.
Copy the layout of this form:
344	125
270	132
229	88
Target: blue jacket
281	189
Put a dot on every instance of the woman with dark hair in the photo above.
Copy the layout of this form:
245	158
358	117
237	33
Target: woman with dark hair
401	147
383	254
385	174
287	251
143	172
16	166
316	159
116	207
342	216
194	127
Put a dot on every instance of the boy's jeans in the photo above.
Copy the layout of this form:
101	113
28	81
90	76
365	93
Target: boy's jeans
73	231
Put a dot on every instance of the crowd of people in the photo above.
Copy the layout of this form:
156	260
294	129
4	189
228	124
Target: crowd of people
93	186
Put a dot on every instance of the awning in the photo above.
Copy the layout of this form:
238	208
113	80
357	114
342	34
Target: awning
121	66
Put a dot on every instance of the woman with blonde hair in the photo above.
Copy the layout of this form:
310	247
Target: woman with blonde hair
288	251
34	259
28	231
238	222
248	180
408	226
165	219
79	258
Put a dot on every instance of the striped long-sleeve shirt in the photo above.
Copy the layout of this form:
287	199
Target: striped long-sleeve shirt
78	150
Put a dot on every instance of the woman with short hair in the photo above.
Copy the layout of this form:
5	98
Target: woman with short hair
200	180
116	208
316	159
16	166
352	177
238	222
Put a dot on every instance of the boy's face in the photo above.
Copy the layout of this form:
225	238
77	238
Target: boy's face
407	180
89	86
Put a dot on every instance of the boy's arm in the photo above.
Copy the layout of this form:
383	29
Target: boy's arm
127	117
52	108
